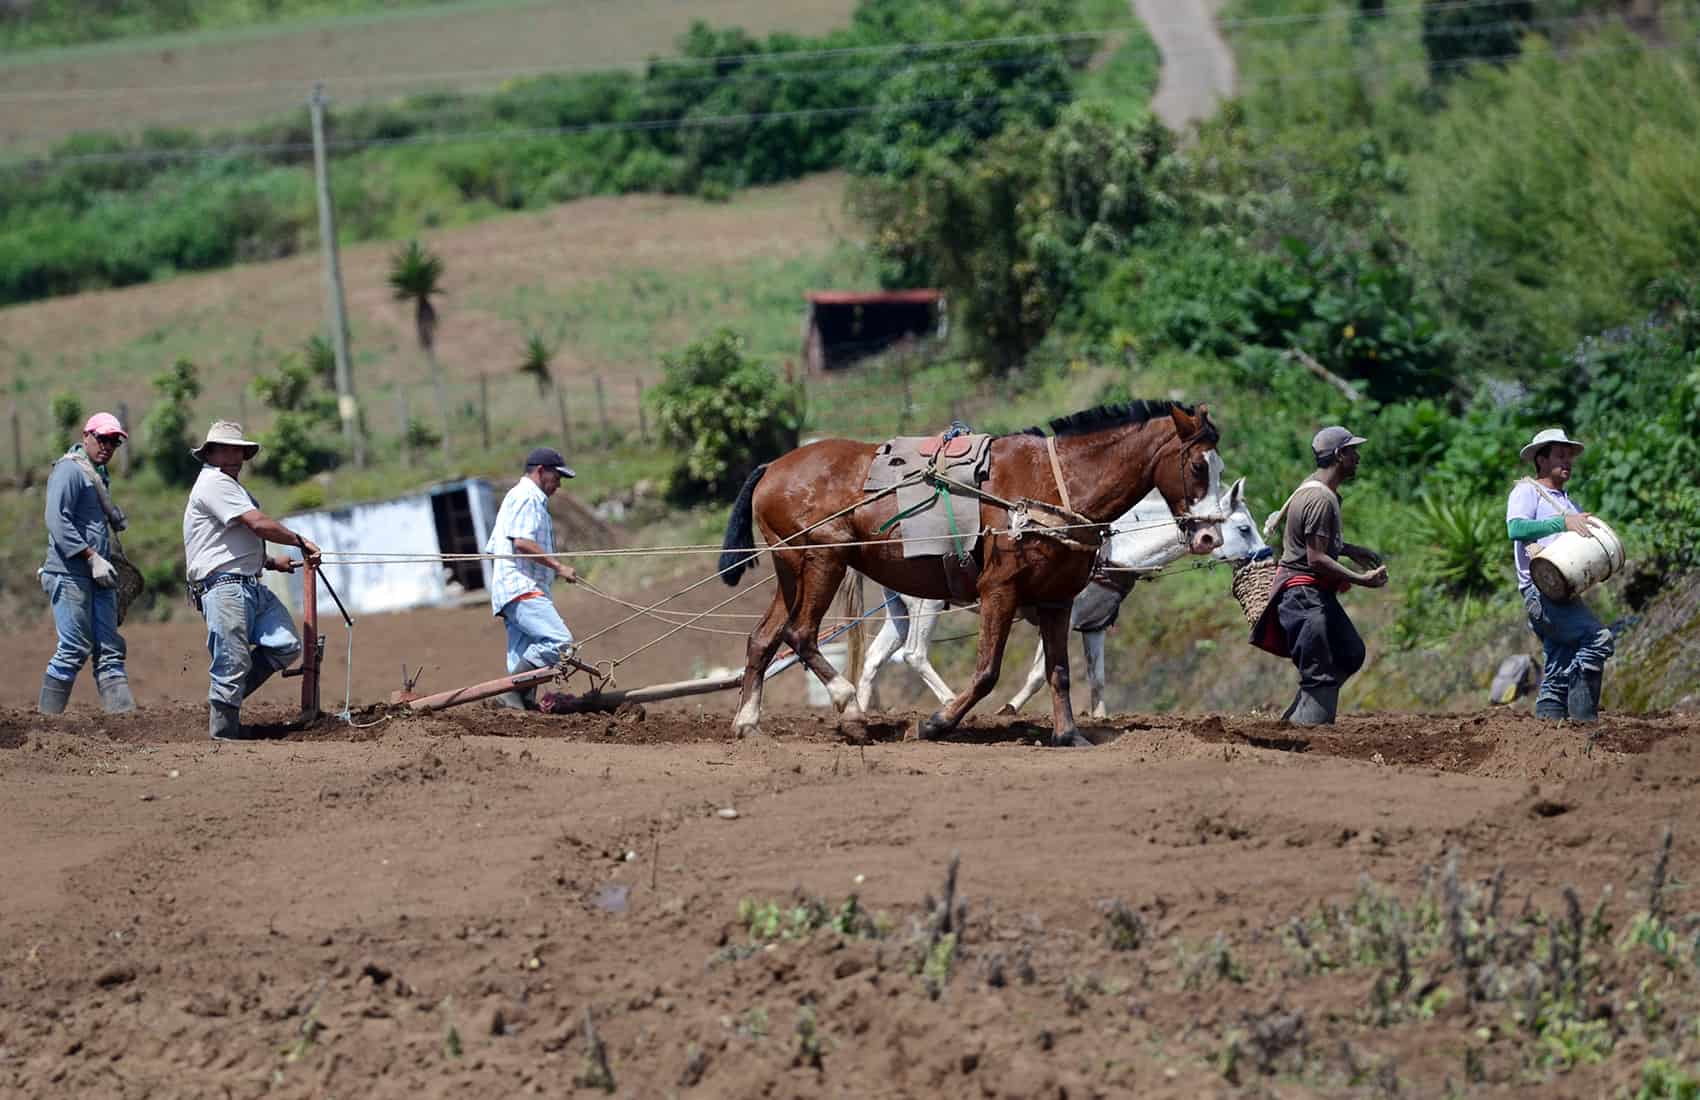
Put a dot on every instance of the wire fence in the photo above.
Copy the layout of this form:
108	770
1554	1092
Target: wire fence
582	413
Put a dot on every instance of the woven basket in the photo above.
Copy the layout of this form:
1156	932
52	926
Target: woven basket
1252	584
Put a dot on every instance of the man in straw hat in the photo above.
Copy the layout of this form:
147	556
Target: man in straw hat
1576	645
78	576
519	585
249	632
1304	619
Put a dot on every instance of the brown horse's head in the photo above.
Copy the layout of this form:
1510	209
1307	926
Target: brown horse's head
1186	476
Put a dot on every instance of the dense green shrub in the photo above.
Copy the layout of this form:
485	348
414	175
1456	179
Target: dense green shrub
725	414
166	430
1455	34
303	438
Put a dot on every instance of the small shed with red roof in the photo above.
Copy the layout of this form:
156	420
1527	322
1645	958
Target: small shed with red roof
843	326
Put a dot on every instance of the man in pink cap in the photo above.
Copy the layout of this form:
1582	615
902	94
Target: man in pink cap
78	575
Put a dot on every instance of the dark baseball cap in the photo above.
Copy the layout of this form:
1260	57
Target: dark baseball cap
1331	441
550	458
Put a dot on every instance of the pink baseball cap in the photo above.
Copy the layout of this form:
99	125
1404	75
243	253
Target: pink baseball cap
105	424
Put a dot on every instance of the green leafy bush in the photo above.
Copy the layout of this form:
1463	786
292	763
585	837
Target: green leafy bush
725	413
166	429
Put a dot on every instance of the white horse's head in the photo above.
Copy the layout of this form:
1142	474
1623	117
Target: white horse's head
1240	538
1148	537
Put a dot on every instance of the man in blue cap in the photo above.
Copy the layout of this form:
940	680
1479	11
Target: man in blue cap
1575	644
1304	619
519	585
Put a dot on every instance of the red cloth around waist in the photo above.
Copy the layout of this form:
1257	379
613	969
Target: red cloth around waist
1267	635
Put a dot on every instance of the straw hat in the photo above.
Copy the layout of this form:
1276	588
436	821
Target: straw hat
1544	437
227	431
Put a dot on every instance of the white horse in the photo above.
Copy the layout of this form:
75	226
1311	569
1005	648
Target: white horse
1143	540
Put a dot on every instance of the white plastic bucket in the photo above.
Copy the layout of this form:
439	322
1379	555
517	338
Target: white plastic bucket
1571	564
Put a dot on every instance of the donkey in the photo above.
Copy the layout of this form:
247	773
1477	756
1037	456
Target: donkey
818	523
1145	539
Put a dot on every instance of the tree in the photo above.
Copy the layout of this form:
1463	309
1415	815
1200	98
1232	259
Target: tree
166	428
303	437
725	412
1011	233
416	276
1455	34
537	362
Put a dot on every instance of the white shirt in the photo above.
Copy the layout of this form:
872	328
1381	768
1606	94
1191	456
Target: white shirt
213	540
524	515
1528	502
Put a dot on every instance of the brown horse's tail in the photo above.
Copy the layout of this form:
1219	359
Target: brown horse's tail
736	551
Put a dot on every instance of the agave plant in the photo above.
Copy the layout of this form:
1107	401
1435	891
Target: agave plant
537	363
1466	536
416	276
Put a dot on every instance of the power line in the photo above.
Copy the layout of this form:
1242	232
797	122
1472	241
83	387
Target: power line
652	63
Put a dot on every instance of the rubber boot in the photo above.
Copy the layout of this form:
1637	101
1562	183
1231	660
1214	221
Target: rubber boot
55	693
520	700
115	697
1584	697
224	723
258	674
1314	707
1553	710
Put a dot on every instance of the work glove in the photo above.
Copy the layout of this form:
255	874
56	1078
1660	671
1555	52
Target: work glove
104	575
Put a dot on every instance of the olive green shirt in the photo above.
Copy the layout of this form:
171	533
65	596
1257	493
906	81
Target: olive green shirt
1314	510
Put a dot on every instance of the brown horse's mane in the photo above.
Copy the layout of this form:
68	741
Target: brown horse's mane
1100	417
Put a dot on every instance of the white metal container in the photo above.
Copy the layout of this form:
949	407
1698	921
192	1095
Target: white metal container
1571	564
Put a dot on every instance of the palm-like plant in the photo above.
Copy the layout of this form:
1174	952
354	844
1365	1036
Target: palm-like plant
416	276
1466	538
538	363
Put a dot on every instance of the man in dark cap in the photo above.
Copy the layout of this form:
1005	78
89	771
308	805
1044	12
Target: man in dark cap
1304	619
519	585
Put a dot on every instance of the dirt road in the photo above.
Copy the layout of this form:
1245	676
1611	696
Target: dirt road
1198	67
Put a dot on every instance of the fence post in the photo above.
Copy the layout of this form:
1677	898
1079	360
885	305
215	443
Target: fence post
406	429
566	425
484	407
127	453
602	409
643	421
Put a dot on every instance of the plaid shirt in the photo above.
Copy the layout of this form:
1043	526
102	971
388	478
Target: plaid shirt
524	515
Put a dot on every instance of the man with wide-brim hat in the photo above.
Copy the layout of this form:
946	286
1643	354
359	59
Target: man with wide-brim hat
523	541
1304	619
78	574
250	635
1576	645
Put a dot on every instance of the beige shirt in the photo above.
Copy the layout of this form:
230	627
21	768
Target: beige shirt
1314	510
213	540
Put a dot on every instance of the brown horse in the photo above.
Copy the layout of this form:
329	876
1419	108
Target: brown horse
1108	458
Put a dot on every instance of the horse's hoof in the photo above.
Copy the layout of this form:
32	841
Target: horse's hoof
1006	710
1073	739
854	730
930	729
743	731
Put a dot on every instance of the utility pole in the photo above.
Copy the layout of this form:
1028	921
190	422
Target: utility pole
346	407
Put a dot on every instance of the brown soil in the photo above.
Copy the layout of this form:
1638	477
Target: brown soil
430	906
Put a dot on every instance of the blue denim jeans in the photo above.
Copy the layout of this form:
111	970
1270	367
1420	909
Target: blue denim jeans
1572	640
246	624
536	634
86	618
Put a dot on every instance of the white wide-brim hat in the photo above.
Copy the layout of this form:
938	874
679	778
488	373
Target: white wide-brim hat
227	431
1544	437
